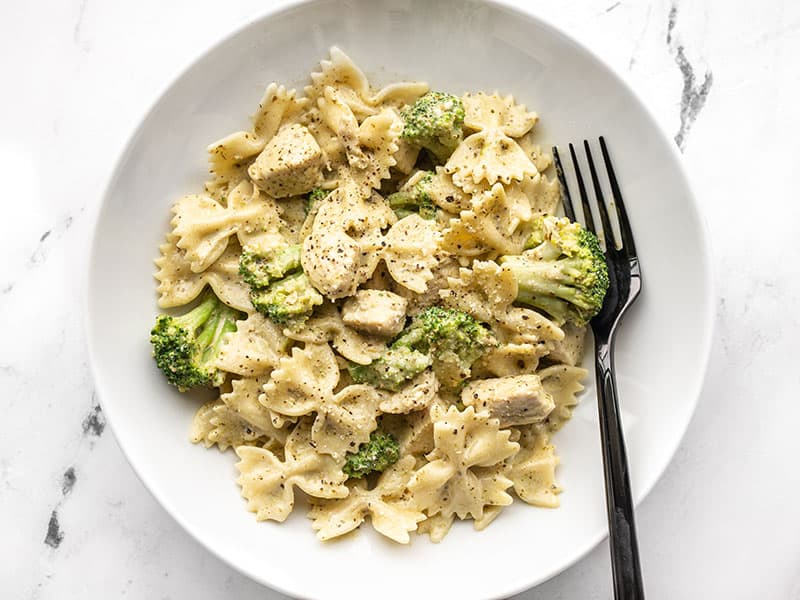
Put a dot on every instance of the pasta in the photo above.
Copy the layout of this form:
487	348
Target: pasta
375	355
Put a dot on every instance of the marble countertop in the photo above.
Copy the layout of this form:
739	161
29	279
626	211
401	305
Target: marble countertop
75	522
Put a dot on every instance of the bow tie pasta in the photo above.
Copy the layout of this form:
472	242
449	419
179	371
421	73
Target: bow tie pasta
376	285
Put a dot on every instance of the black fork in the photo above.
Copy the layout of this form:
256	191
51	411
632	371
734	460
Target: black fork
625	283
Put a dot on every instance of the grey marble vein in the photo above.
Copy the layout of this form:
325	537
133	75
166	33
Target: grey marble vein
54	535
640	38
693	96
39	253
76	30
68	481
94	424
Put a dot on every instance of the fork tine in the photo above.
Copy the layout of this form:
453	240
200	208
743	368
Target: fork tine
624	223
587	210
566	198
607	231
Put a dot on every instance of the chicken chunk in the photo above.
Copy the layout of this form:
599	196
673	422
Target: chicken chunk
375	312
331	262
290	164
569	351
517	400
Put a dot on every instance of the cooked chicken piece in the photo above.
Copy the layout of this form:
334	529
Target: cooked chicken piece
375	312
289	165
330	260
517	400
569	351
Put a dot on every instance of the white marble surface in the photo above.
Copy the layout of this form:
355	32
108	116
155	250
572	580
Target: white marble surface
75	522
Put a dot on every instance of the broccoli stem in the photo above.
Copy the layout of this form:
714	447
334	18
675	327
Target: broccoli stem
224	322
197	317
556	278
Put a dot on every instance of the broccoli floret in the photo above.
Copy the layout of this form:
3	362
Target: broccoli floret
279	288
290	298
453	339
563	273
414	197
185	347
379	453
446	339
315	196
260	269
392	369
434	122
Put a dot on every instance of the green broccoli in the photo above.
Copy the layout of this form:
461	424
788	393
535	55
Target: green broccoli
414	197
260	269
379	453
563	272
279	288
446	339
434	122
315	196
186	347
290	298
392	369
453	339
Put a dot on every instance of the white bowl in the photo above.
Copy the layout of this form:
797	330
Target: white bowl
456	46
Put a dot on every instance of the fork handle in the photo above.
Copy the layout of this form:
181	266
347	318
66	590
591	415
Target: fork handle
625	564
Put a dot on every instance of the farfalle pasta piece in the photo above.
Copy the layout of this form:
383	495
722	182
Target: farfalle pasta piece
303	381
533	469
215	423
203	225
277	106
349	81
563	382
228	160
508	360
539	157
379	137
259	226
332	150
326	326
485	111
340	119
179	285
416	395
488	156
345	420
493	225
254	349
390	511
409	253
243	401
436	527
413	431
268	483
446	266
369	147
484	291
230	156
400	94
446	195
544	195
466	470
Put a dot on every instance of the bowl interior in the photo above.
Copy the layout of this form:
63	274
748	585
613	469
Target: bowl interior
455	46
